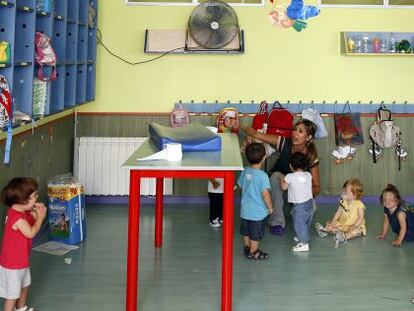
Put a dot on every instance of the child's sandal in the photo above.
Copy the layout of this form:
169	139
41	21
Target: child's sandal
246	251
25	308
258	255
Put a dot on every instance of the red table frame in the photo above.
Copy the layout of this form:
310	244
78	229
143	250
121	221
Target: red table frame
133	226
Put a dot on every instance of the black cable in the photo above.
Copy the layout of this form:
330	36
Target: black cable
99	39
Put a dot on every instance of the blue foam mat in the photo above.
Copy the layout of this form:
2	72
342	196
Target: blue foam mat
193	137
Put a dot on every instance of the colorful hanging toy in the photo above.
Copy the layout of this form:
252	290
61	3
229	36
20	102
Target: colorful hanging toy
294	15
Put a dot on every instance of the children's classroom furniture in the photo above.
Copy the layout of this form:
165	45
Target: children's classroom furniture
208	164
71	25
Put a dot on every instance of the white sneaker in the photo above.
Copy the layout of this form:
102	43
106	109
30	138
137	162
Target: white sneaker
301	247
215	223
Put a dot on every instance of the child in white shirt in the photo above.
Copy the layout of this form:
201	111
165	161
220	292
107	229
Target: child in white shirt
299	187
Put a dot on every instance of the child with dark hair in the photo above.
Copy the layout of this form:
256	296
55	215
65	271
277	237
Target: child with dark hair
256	202
396	215
23	222
299	187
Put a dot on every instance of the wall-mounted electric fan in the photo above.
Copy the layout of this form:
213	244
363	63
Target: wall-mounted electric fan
213	24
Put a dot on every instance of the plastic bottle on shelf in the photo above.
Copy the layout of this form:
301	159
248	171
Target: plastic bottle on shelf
365	44
383	46
376	45
358	45
392	46
351	45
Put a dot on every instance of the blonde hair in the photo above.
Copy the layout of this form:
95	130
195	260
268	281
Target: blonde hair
356	187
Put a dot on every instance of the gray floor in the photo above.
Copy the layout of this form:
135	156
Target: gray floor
364	274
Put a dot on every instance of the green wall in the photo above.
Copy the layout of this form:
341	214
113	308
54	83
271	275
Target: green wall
278	63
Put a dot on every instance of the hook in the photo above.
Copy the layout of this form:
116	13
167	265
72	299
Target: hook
252	101
204	101
192	101
240	101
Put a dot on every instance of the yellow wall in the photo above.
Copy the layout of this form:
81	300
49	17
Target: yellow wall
278	63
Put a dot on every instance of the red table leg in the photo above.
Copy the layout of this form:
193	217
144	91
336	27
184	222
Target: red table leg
159	211
227	257
133	240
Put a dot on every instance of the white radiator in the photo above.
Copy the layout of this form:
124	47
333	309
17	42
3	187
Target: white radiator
97	164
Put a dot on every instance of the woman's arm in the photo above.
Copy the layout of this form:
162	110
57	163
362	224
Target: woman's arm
403	229
316	186
385	227
266	138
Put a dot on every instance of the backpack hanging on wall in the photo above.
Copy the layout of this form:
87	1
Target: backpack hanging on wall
6	103
280	121
44	56
260	119
179	117
385	135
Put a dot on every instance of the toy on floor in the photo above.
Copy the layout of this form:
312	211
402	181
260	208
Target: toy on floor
385	135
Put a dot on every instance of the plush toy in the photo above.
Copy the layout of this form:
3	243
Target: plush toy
404	46
279	18
298	10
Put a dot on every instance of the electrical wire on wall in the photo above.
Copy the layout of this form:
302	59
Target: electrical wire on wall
99	39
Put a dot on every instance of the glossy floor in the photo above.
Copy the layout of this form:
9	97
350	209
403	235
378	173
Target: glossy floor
185	274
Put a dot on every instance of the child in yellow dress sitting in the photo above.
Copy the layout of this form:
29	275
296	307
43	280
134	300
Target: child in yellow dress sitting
349	219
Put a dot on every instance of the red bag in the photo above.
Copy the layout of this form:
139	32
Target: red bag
279	121
261	116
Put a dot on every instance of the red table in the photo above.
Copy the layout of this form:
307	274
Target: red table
220	164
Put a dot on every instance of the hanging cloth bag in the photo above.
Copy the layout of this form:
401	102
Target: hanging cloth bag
348	130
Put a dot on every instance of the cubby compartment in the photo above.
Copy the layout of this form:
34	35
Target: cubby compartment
90	82
71	43
57	100
59	40
26	5
91	43
7	21
44	24
73	11
24	43
82	43
81	84
83	12
61	8
23	88
70	86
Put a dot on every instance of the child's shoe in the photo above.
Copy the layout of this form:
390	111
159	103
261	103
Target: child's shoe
301	247
215	223
258	255
25	308
277	230
320	230
339	237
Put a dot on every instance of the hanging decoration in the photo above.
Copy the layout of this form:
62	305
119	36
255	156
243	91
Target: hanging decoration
292	15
